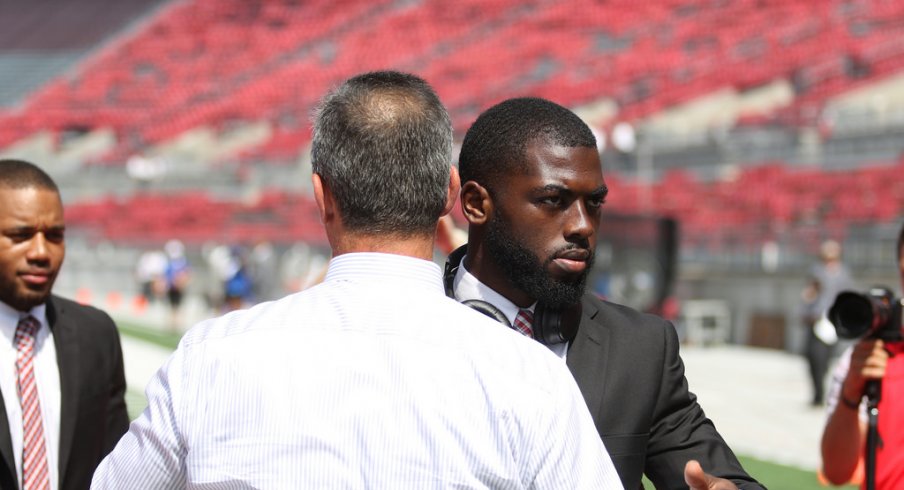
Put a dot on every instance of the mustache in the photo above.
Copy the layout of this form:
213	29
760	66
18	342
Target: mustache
580	246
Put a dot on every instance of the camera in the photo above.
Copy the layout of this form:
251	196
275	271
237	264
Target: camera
874	314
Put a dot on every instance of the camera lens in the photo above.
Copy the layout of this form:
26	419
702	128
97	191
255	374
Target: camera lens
853	315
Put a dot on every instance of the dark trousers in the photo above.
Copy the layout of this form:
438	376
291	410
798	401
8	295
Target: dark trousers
818	356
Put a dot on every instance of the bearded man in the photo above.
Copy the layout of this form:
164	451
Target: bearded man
532	189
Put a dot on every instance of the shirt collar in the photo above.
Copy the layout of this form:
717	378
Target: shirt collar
9	319
466	286
360	266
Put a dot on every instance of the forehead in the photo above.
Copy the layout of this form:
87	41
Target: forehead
578	166
30	204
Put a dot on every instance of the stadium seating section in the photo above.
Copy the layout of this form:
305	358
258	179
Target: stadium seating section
762	202
215	62
222	63
195	217
758	204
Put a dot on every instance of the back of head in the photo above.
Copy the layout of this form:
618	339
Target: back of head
19	174
383	146
496	143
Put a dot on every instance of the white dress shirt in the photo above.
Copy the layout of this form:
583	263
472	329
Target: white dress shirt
372	379
47	377
466	286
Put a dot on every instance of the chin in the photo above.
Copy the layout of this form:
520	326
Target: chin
566	279
29	301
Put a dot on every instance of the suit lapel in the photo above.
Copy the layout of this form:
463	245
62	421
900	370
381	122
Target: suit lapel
588	356
65	340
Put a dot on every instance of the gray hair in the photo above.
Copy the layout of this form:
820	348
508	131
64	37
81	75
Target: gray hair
383	146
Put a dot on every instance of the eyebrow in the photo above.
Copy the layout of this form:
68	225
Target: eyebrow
601	191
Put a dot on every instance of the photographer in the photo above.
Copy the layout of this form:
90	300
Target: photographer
845	434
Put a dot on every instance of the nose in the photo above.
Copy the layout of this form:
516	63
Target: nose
581	222
37	249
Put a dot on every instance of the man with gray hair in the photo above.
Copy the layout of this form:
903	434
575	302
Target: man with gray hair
373	378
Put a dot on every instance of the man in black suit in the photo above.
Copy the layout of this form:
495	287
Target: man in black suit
532	188
62	382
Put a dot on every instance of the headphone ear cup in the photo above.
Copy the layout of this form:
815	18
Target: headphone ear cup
488	310
546	325
555	326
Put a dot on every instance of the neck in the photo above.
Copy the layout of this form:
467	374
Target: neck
481	265
420	247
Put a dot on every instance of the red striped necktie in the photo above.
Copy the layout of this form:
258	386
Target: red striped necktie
523	321
35	472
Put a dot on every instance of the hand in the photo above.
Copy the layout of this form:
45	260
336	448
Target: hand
868	361
697	479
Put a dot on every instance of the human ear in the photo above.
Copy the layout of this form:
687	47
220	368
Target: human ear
452	191
324	198
476	203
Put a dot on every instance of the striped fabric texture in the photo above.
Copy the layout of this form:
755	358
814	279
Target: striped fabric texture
35	474
524	321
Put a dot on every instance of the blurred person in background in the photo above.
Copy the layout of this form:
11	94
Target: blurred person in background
238	288
844	437
372	378
177	275
234	288
150	272
532	189
62	383
263	263
827	278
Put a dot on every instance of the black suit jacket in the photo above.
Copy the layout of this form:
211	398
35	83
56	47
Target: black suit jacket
92	385
627	366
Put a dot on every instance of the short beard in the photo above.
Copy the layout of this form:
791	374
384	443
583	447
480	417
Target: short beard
526	271
22	302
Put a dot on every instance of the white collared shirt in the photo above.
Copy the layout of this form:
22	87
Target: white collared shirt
372	379
466	286
47	377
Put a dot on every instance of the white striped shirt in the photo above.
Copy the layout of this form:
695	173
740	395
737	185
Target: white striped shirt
372	379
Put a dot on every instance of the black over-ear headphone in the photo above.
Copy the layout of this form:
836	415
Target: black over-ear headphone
550	325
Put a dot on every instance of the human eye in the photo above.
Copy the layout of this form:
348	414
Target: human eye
596	199
19	235
551	200
596	202
55	236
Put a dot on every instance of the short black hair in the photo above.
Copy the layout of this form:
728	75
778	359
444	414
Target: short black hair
19	174
383	145
496	143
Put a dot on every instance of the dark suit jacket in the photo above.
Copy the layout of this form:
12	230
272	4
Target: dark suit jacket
92	385
627	366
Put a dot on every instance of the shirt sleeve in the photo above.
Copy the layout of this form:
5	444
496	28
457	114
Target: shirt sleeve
838	374
152	453
570	454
